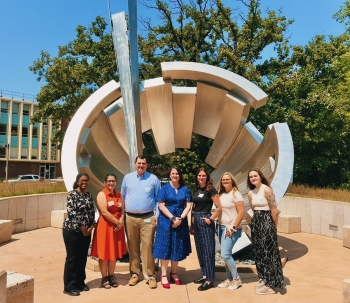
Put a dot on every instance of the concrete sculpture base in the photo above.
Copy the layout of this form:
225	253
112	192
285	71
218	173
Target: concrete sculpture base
20	288
5	230
289	224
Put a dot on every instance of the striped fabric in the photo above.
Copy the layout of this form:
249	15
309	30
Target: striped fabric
204	237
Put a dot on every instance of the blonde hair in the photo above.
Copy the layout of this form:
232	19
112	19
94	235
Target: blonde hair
221	189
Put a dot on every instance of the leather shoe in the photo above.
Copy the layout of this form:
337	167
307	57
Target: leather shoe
73	292
206	286
84	288
201	280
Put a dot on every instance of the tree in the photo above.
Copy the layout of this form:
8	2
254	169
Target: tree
81	67
311	95
208	32
197	31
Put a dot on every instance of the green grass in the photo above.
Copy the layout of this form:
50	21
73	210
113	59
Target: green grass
30	188
319	193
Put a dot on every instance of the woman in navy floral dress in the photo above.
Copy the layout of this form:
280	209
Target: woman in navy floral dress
172	240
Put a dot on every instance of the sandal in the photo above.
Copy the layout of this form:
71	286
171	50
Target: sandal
105	283
113	281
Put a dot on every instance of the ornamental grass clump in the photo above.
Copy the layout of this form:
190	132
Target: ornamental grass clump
340	195
30	188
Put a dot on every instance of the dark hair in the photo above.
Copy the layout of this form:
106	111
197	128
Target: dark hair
111	175
181	178
75	184
221	189
209	181
262	177
140	157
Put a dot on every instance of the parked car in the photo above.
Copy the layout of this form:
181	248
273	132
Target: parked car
164	181
25	178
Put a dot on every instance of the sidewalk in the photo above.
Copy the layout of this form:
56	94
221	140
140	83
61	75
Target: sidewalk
314	273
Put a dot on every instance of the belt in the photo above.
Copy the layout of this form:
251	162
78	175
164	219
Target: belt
140	215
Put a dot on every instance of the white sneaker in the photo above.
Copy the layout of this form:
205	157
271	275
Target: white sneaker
264	290
225	284
236	283
260	284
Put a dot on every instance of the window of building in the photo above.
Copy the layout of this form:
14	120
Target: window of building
24	131
4	106
35	132
15	108
34	153
53	152
3	129
2	152
14	130
24	153
13	152
25	110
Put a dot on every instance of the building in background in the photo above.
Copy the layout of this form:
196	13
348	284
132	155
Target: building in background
30	150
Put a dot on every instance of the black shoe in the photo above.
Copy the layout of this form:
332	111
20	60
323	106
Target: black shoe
84	288
206	286
201	280
73	292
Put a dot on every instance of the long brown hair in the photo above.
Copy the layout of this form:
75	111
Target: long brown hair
181	178
221	189
262	177
209	181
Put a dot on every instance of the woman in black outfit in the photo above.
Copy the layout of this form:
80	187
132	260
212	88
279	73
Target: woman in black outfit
264	233
203	226
77	235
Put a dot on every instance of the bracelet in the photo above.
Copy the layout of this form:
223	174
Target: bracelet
211	220
172	219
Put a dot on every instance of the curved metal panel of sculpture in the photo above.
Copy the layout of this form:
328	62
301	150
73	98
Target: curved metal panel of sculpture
96	139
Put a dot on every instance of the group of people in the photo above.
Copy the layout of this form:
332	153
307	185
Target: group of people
154	221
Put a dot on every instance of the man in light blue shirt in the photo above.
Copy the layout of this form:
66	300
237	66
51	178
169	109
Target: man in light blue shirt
139	190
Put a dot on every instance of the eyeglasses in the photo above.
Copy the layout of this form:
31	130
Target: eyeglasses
111	181
84	181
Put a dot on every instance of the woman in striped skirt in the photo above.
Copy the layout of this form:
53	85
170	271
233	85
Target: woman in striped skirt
202	226
264	233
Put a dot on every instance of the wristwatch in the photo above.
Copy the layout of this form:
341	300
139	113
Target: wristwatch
172	218
234	228
211	220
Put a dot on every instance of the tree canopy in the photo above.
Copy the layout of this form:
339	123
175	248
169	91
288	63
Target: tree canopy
308	86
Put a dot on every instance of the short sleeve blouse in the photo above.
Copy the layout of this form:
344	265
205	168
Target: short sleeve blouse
202	199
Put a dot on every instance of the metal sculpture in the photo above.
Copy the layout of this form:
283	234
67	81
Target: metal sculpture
96	140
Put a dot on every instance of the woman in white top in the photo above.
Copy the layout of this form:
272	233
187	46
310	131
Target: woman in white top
230	229
264	233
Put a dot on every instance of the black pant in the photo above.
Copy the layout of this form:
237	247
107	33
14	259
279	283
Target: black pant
77	246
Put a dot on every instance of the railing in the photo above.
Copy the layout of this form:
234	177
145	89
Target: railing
17	95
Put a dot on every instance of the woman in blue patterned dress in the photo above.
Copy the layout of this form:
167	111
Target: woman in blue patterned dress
172	240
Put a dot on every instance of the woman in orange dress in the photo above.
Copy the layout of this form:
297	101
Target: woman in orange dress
109	241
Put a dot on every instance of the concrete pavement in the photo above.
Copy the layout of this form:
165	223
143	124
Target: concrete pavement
314	273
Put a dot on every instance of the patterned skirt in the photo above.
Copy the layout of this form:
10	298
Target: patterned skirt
265	247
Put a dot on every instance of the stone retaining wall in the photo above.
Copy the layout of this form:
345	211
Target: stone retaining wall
319	217
31	211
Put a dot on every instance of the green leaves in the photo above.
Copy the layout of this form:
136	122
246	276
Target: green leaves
81	67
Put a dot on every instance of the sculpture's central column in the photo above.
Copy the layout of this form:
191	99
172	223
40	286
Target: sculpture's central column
129	80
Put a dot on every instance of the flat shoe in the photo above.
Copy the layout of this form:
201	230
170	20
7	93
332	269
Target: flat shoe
73	292
206	286
201	280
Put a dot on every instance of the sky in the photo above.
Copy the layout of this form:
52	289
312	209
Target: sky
28	27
